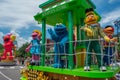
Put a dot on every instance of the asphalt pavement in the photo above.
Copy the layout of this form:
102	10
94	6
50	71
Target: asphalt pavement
10	72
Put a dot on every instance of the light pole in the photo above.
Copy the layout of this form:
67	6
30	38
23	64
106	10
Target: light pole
117	25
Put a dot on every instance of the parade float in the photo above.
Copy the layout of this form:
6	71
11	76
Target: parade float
9	45
71	13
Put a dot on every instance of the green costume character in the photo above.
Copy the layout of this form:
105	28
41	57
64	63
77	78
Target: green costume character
93	31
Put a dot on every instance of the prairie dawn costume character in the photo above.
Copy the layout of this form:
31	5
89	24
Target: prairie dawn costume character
109	47
93	31
8	46
60	37
35	47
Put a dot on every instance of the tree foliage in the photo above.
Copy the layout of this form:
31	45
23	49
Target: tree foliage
21	51
1	49
119	47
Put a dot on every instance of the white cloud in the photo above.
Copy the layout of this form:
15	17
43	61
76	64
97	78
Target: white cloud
108	18
17	14
1	37
98	2
112	1
20	40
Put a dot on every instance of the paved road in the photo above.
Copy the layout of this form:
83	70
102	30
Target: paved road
10	72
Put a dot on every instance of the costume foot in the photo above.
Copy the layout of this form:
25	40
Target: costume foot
32	63
3	58
37	63
87	68
103	68
11	57
56	65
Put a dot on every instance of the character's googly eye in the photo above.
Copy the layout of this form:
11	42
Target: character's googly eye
92	15
60	23
88	16
57	24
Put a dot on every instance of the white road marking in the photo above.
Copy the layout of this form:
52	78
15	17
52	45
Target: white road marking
21	67
5	76
12	67
1	67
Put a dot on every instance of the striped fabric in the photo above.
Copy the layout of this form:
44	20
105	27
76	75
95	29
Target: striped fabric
107	44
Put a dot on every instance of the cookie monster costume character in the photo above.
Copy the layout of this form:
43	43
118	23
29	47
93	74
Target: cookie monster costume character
35	47
93	31
109	47
60	37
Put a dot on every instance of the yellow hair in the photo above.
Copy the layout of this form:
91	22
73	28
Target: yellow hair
13	37
37	31
91	12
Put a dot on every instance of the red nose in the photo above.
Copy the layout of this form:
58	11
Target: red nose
34	34
112	29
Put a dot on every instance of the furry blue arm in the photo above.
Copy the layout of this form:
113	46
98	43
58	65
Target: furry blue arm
52	34
64	41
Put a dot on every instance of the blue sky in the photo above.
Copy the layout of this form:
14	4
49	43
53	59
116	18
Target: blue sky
109	10
16	16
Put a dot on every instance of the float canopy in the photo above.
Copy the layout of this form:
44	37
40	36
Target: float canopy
56	11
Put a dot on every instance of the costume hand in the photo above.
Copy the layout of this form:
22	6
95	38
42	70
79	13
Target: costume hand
62	45
50	31
81	28
107	39
27	49
14	47
113	39
89	31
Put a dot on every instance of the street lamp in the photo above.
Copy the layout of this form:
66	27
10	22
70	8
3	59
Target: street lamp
117	25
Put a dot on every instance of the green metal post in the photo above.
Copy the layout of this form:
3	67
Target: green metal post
43	40
82	32
78	32
70	34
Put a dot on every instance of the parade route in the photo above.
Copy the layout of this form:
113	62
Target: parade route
10	72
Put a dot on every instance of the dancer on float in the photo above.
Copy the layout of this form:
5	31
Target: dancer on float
93	31
60	38
35	47
109	47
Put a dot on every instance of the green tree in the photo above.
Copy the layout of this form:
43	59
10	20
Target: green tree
21	51
119	47
1	49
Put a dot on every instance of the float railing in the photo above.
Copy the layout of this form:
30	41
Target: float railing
51	52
